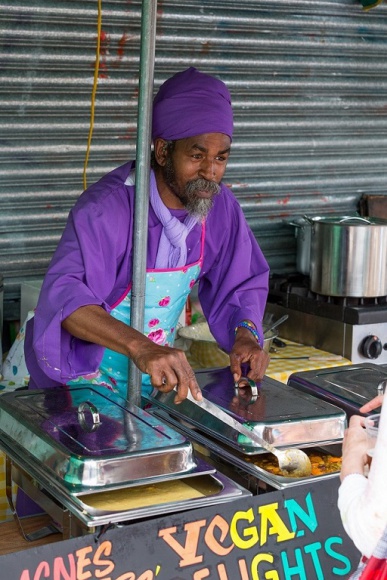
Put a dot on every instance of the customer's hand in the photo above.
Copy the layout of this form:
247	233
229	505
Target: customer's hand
354	447
372	404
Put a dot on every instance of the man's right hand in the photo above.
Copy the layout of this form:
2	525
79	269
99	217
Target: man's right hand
168	367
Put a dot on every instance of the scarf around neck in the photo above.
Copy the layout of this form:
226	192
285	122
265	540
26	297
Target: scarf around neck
172	250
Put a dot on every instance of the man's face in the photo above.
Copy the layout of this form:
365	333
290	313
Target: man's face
194	170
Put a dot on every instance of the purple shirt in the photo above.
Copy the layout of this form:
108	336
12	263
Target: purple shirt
93	265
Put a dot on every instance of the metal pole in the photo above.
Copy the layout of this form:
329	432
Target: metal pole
144	118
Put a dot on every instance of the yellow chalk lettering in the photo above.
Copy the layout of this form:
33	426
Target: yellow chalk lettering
271	523
249	536
270	574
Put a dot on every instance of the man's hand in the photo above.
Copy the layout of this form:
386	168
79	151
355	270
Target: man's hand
168	368
247	350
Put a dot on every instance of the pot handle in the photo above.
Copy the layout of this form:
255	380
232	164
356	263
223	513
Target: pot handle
355	218
307	220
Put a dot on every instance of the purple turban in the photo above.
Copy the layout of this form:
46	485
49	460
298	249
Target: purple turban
191	103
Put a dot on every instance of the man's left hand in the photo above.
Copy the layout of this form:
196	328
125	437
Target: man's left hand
247	350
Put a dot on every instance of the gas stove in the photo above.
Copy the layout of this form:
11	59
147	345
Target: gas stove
355	328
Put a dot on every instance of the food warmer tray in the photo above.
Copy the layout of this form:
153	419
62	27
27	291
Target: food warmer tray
89	438
73	446
282	416
348	387
239	466
205	486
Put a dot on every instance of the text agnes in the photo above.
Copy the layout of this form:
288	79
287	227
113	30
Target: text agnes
205	548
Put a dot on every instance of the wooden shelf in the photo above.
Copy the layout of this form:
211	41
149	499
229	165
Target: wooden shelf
11	539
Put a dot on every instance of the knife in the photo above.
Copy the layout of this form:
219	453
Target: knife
221	415
292	462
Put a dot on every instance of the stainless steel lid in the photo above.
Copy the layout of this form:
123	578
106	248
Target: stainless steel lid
349	387
243	466
90	437
281	415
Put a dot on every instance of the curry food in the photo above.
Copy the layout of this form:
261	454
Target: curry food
322	462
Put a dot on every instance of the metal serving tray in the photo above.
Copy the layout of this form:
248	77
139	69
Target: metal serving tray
282	416
238	465
89	438
213	487
348	387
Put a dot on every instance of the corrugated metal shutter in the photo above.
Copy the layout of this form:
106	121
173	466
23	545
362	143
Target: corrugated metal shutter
309	86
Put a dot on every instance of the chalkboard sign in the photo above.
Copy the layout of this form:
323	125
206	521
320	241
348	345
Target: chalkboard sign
294	534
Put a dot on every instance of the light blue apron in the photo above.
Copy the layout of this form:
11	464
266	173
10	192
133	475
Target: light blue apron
166	293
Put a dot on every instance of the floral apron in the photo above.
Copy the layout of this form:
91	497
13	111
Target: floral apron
166	292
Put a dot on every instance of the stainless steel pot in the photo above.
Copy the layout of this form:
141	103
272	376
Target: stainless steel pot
349	256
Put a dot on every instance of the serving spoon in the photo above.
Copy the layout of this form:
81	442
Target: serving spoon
292	462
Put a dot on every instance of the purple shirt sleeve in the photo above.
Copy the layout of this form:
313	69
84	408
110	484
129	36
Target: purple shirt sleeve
91	265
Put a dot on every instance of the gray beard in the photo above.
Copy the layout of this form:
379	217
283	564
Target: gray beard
196	206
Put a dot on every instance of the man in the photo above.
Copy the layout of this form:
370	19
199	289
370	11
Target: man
197	232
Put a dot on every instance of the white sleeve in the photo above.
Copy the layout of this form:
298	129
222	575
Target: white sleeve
363	502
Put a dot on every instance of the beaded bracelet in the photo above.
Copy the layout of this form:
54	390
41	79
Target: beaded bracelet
251	327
